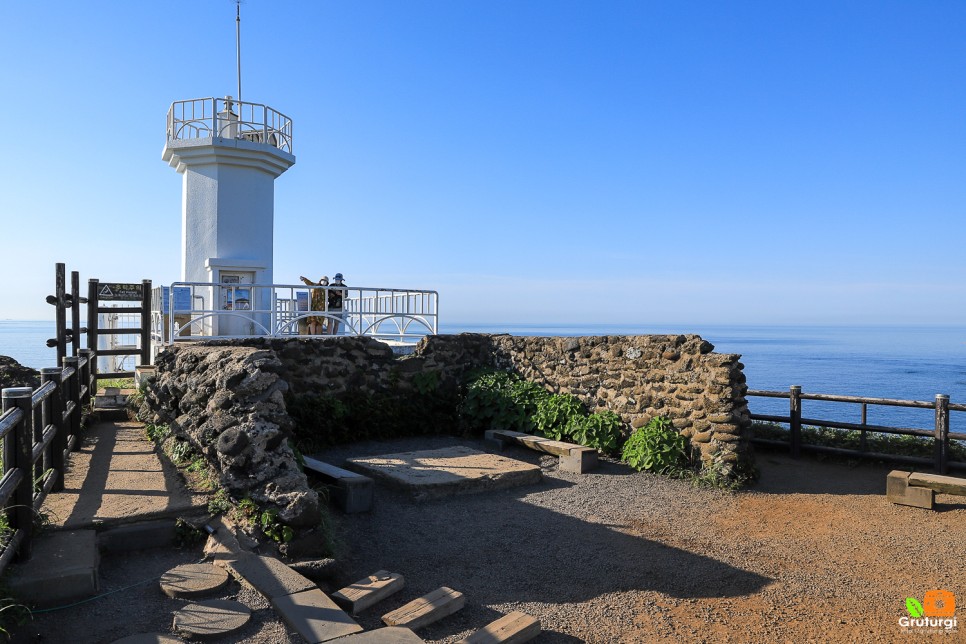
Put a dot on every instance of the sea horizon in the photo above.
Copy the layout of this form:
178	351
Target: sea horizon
906	362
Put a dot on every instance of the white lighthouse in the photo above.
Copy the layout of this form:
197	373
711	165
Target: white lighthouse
229	154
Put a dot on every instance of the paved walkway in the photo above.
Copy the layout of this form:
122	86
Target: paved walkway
117	477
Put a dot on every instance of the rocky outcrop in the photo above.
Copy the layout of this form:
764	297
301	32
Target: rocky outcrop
14	374
228	402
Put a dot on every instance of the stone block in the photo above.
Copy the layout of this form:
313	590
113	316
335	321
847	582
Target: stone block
268	576
900	492
62	568
351	491
314	616
138	536
386	635
580	460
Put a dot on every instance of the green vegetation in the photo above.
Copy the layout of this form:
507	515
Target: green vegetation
120	383
503	400
657	447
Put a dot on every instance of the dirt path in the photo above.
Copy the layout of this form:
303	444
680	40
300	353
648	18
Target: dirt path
812	553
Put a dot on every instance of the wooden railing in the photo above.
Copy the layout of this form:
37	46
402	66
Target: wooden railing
940	433
39	428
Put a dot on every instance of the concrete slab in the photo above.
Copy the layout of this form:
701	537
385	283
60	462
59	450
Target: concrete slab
148	638
387	635
193	580
443	472
212	618
351	491
267	575
62	568
314	616
141	535
900	492
117	477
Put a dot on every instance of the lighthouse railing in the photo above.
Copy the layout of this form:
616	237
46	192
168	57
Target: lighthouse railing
200	118
202	310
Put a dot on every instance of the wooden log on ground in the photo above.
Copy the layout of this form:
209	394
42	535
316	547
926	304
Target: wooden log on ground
427	609
514	628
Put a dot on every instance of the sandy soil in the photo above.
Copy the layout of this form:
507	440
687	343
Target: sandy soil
812	553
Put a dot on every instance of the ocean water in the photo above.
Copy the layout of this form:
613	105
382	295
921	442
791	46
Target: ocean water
908	363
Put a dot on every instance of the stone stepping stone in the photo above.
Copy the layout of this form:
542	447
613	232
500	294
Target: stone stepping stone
148	638
359	596
268	576
212	618
387	635
314	616
427	609
193	580
510	629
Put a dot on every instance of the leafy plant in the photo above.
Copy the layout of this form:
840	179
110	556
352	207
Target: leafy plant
273	528
157	433
501	400
657	447
603	430
219	502
556	414
187	535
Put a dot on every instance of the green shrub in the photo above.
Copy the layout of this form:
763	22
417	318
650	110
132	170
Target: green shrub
501	400
555	415
603	430
657	447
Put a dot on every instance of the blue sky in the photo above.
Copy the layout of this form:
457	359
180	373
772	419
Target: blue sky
534	161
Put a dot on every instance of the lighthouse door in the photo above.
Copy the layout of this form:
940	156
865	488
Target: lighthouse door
236	302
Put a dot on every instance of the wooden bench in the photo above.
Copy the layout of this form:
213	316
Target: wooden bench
351	491
573	458
919	490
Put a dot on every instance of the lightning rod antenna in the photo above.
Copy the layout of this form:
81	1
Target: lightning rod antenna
238	43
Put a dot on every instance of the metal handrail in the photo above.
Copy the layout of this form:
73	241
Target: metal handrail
199	118
285	310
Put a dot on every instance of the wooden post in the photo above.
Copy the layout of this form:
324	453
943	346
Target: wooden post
145	322
795	419
75	302
862	440
942	433
17	453
60	296
92	330
87	356
73	395
58	447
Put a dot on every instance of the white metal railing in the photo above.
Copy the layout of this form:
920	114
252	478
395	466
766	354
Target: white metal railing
194	310
200	118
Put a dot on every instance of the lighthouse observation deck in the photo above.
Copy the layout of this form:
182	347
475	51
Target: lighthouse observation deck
203	118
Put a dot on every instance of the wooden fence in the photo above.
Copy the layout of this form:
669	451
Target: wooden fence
39	428
940	434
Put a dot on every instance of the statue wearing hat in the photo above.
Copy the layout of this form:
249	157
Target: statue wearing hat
315	325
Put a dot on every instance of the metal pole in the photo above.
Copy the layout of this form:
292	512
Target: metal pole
238	46
795	419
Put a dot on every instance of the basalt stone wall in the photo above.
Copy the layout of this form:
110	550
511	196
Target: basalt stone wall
228	397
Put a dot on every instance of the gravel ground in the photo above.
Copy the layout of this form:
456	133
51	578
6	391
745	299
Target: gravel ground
812	553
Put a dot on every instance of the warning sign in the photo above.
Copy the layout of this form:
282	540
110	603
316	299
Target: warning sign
116	291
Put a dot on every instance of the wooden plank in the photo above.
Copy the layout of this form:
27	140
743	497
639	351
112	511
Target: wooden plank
514	628
941	484
329	470
359	596
427	609
557	448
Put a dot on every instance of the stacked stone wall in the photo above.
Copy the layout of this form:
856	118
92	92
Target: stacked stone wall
227	397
